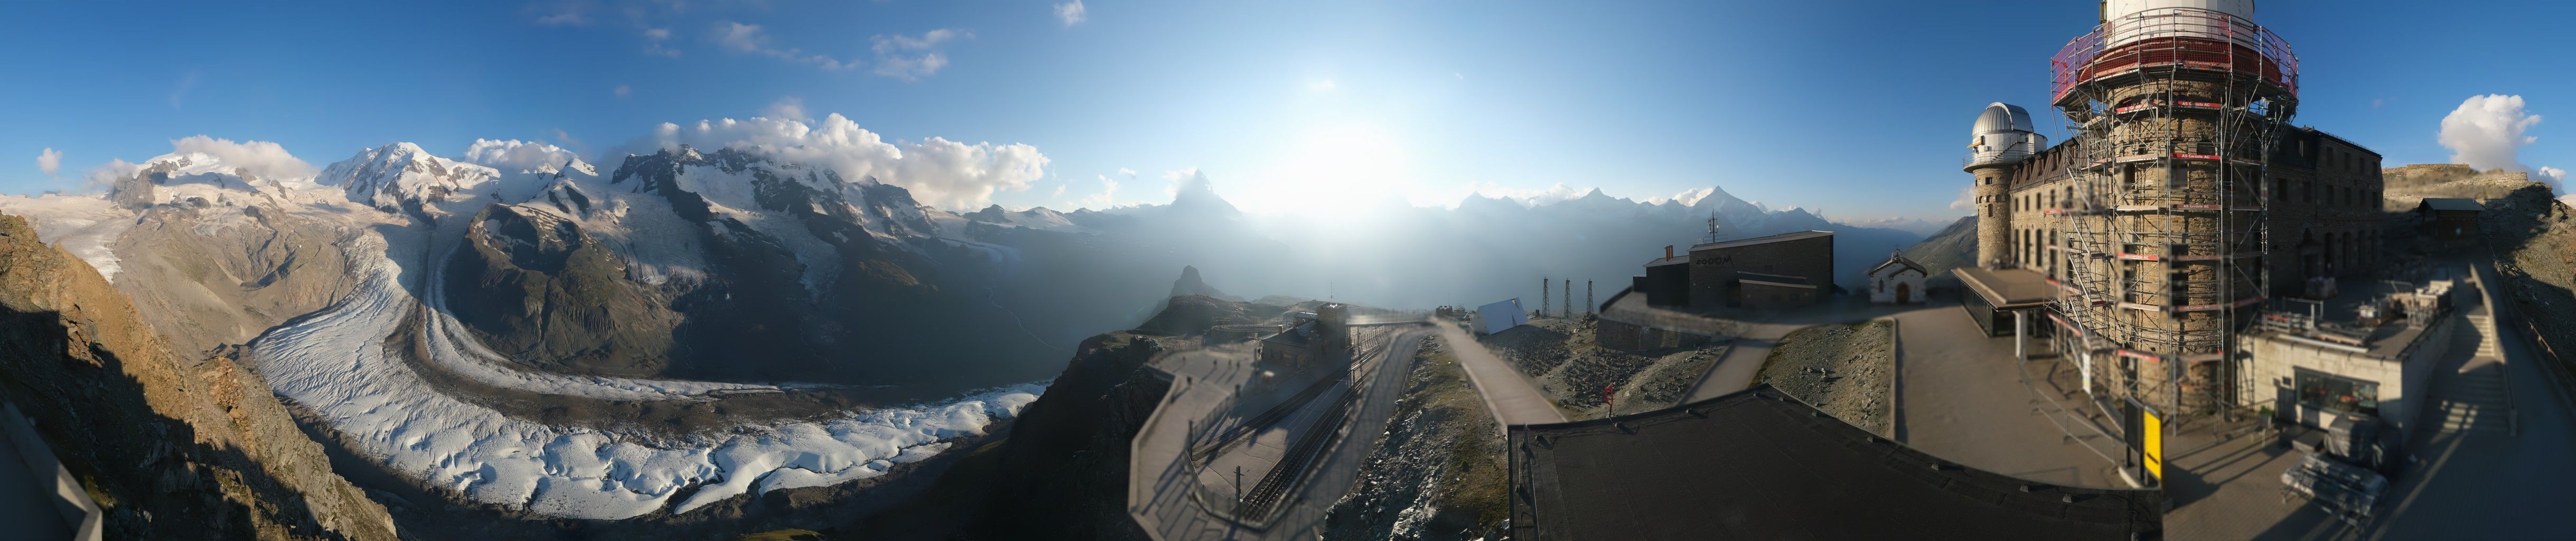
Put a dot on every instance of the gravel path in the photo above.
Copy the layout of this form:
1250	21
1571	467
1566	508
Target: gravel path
1842	369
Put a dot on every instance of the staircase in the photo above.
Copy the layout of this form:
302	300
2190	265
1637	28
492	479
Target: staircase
2475	398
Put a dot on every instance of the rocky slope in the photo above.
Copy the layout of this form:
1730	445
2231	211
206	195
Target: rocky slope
2534	239
2404	187
1062	471
170	446
1845	370
1560	355
1438	473
1953	247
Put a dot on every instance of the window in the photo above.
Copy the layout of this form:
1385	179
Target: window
2336	393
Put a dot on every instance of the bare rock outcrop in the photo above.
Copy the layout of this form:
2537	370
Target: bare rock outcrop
171	449
206	277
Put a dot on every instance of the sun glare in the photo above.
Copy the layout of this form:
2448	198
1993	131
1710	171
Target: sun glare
1336	171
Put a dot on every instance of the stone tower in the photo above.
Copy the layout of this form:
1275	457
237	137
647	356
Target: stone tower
2001	139
2174	105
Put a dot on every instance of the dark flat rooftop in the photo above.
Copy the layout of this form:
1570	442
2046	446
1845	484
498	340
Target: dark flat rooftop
2007	288
1762	240
1759	465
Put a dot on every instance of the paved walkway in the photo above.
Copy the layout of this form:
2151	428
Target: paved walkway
1743	361
1962	397
1510	395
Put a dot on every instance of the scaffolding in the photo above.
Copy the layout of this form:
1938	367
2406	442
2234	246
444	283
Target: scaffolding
2174	112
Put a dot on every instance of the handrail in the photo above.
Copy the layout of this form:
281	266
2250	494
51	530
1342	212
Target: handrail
2072	62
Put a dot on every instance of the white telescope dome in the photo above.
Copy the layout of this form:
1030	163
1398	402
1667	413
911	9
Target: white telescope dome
2001	116
2003	134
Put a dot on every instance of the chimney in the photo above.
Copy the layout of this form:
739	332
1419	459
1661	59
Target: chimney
1668	252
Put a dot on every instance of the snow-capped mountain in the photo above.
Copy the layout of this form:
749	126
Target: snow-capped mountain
393	175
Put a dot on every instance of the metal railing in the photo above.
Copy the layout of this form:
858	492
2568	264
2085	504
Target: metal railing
2274	60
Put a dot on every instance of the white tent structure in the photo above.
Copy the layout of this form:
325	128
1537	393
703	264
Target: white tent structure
1503	314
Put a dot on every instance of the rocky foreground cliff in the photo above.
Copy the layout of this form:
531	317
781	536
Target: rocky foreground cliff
170	446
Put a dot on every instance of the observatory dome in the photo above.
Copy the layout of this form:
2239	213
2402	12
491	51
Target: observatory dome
2003	134
2001	116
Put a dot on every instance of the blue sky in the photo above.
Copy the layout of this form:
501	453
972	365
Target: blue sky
1857	108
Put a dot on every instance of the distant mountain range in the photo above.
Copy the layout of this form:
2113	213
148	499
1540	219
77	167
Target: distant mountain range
440	313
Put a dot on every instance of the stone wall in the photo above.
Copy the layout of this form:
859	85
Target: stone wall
1636	337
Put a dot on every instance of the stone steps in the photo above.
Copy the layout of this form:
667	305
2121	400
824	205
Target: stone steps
2475	400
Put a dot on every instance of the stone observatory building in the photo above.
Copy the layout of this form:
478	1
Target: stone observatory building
2181	199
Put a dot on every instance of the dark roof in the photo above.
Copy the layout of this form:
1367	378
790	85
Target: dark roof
2451	203
1762	240
1758	464
1674	260
1898	259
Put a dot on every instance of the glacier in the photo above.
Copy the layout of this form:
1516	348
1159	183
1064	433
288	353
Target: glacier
335	364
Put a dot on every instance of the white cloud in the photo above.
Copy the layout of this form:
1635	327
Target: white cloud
790	107
1108	196
516	155
940	172
911	58
1686	198
181	92
1131	173
106	175
1530	198
1070	12
622	91
49	161
2486	132
750	39
562	13
263	159
654	39
1967	201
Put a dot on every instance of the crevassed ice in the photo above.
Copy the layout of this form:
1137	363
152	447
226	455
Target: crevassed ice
335	364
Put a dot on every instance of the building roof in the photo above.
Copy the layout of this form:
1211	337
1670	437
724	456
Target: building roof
2007	288
1762	240
1297	336
1898	258
1674	260
1758	464
2451	203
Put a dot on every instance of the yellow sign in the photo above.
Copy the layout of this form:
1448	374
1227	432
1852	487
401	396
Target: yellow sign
2153	430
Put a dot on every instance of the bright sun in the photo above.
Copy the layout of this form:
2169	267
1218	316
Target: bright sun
1333	171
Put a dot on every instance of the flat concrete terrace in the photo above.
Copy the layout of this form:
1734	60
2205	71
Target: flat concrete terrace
1176	498
1961	396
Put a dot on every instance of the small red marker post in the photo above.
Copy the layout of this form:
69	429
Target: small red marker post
1606	389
